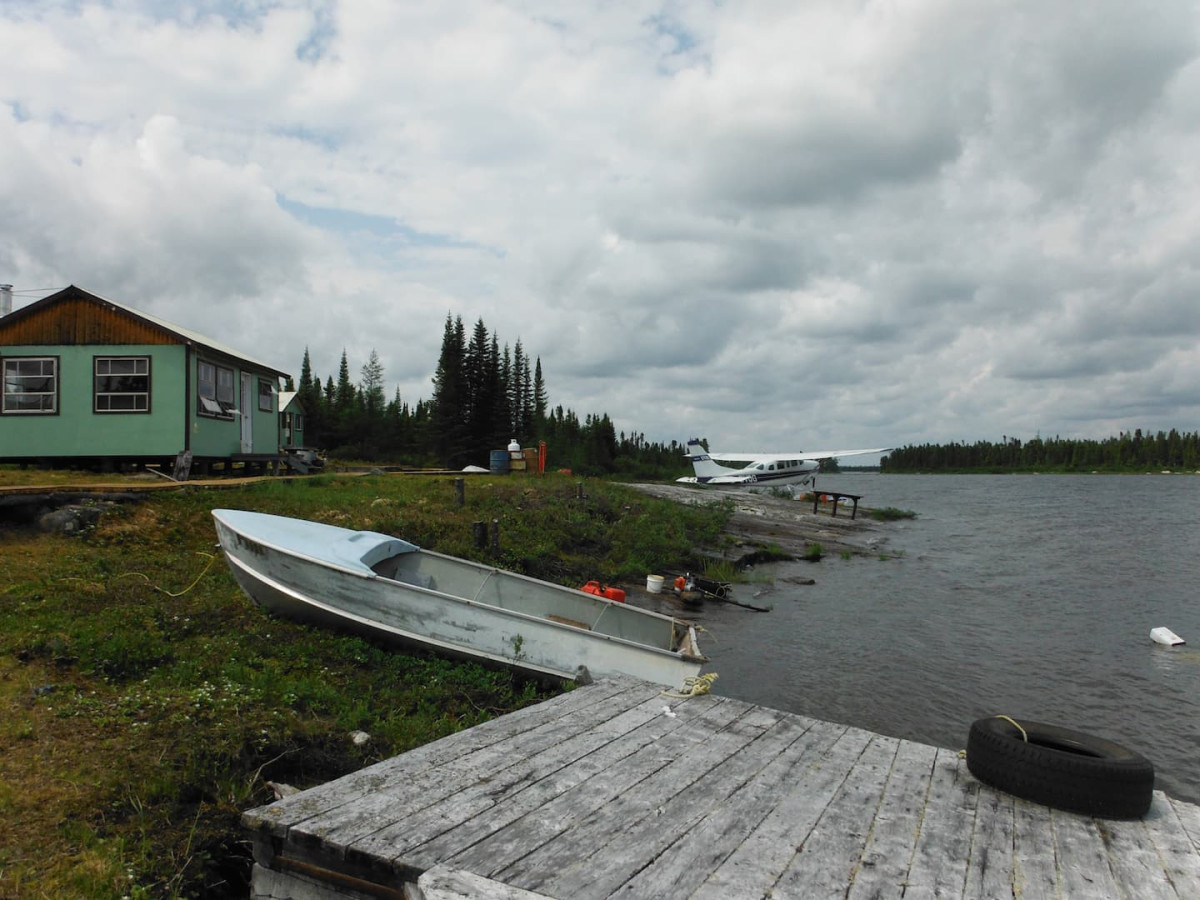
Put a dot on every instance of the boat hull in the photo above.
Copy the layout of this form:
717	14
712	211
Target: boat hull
332	577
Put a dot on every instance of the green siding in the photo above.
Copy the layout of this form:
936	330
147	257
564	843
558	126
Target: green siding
223	437
78	431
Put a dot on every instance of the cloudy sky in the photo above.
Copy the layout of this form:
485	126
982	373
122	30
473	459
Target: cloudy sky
776	223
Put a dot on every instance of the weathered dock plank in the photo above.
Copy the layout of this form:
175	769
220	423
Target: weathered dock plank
617	790
943	851
1082	858
697	851
990	870
1180	854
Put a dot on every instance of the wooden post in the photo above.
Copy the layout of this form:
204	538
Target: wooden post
496	536
460	496
579	490
479	534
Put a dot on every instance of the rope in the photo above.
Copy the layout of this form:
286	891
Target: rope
208	565
1017	725
694	686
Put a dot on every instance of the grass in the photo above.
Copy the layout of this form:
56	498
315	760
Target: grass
147	702
891	514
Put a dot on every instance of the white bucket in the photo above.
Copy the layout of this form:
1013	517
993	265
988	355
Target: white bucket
654	584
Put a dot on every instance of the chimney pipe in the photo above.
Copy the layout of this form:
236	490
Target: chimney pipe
5	299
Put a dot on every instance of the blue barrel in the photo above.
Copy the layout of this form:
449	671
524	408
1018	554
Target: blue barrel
499	464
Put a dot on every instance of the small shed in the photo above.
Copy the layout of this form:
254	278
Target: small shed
291	421
87	380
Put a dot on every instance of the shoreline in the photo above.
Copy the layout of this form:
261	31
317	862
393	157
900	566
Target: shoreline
763	520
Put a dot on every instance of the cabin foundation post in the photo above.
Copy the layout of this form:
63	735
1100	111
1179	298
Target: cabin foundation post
496	537
460	491
479	534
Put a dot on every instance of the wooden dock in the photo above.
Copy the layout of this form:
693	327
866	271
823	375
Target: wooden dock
617	790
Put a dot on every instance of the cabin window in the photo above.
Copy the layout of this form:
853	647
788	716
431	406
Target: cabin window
215	390
30	385
121	384
266	396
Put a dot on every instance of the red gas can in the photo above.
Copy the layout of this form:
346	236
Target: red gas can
611	593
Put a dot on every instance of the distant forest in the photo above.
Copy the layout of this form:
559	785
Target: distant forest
1129	452
483	397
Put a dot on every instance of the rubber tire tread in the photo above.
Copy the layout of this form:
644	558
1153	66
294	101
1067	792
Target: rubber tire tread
1097	778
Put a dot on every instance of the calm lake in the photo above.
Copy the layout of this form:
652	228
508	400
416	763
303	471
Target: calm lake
1031	596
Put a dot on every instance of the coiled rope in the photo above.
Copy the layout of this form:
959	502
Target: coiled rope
694	686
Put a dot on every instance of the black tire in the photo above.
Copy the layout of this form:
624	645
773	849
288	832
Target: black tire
1061	768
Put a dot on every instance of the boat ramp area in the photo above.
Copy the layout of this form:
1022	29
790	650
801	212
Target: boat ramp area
619	790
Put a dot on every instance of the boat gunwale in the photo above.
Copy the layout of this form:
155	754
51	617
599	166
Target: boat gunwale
375	576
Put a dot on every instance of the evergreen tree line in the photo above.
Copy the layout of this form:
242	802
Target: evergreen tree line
484	396
1128	452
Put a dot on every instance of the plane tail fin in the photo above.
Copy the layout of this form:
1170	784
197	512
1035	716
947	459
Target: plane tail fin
702	462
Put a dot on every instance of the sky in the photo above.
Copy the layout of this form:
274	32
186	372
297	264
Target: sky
777	224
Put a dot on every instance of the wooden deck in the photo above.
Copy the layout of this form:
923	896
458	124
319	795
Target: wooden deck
618	790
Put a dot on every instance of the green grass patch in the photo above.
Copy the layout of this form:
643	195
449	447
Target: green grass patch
147	701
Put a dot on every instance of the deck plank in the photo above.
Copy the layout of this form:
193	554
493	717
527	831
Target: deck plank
754	868
1189	818
829	854
637	845
1135	861
517	838
615	790
548	863
1084	868
277	818
990	871
941	859
340	826
887	857
446	811
1180	856
684	864
557	794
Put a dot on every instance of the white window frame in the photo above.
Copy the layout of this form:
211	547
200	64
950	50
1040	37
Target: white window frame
141	399
13	377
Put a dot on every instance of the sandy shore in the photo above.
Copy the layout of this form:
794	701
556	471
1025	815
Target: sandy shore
761	520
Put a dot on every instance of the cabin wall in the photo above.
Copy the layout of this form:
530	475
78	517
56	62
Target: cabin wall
76	428
221	435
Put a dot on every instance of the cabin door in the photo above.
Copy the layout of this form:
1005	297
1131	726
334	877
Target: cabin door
247	413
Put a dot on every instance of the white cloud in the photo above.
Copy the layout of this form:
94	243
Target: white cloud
815	224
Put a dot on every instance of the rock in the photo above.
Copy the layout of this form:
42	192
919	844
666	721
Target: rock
74	518
282	790
360	738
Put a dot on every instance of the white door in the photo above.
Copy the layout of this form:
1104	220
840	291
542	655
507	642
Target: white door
247	413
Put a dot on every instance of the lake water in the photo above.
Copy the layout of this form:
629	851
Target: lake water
1029	596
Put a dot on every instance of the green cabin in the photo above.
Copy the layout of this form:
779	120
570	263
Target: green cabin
90	381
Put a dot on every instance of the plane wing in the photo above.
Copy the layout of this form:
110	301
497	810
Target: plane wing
810	454
719	479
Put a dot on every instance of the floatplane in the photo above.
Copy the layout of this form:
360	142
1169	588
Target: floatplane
763	470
